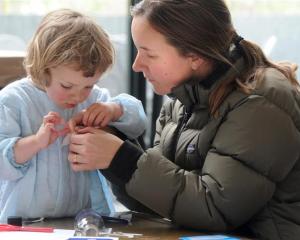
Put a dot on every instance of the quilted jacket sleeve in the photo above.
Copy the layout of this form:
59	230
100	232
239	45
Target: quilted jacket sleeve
255	147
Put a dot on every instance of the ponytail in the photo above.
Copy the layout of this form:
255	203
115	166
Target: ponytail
248	71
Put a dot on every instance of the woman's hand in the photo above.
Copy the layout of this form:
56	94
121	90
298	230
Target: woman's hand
92	148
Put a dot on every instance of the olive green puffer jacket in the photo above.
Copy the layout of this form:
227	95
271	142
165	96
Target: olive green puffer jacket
218	174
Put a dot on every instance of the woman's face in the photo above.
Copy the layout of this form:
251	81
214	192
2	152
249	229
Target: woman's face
161	63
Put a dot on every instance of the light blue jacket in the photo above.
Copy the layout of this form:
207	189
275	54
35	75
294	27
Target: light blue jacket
46	186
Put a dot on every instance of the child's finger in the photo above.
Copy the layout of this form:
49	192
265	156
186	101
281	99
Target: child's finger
91	114
85	118
98	119
105	121
49	126
90	118
64	131
53	119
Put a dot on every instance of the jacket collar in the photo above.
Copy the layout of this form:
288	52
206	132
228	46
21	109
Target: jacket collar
194	92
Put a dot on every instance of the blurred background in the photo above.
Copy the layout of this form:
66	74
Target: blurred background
273	24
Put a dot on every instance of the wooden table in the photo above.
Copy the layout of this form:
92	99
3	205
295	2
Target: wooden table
151	228
11	67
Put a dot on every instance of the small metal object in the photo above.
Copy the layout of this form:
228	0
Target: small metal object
32	220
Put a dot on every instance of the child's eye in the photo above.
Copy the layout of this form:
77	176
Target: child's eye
65	87
89	87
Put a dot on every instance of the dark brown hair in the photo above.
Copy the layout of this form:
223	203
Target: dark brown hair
204	27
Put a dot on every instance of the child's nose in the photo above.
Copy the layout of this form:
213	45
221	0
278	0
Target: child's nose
76	98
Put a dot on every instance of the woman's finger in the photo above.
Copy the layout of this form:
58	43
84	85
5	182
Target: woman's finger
81	159
77	167
92	130
75	121
72	157
76	145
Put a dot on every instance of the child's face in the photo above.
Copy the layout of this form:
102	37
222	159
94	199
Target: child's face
69	87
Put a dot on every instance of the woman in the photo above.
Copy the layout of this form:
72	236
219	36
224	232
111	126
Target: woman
227	144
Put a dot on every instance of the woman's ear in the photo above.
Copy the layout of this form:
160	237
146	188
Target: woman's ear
196	62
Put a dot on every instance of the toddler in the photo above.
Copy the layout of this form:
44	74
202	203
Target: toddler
67	55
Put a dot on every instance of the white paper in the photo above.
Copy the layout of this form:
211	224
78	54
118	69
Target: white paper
58	234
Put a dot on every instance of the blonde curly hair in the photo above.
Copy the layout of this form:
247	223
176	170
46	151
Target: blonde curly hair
67	37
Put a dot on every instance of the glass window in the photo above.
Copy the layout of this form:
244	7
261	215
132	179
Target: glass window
273	24
19	20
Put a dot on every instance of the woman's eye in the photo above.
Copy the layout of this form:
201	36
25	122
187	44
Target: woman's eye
89	87
151	56
65	87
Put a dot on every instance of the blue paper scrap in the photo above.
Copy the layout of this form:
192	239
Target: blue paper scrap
209	237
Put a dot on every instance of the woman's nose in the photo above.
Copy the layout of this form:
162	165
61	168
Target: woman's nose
136	66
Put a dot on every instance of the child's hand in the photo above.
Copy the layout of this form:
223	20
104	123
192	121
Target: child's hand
53	126
100	114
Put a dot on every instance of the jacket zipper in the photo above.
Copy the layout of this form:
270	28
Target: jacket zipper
180	128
